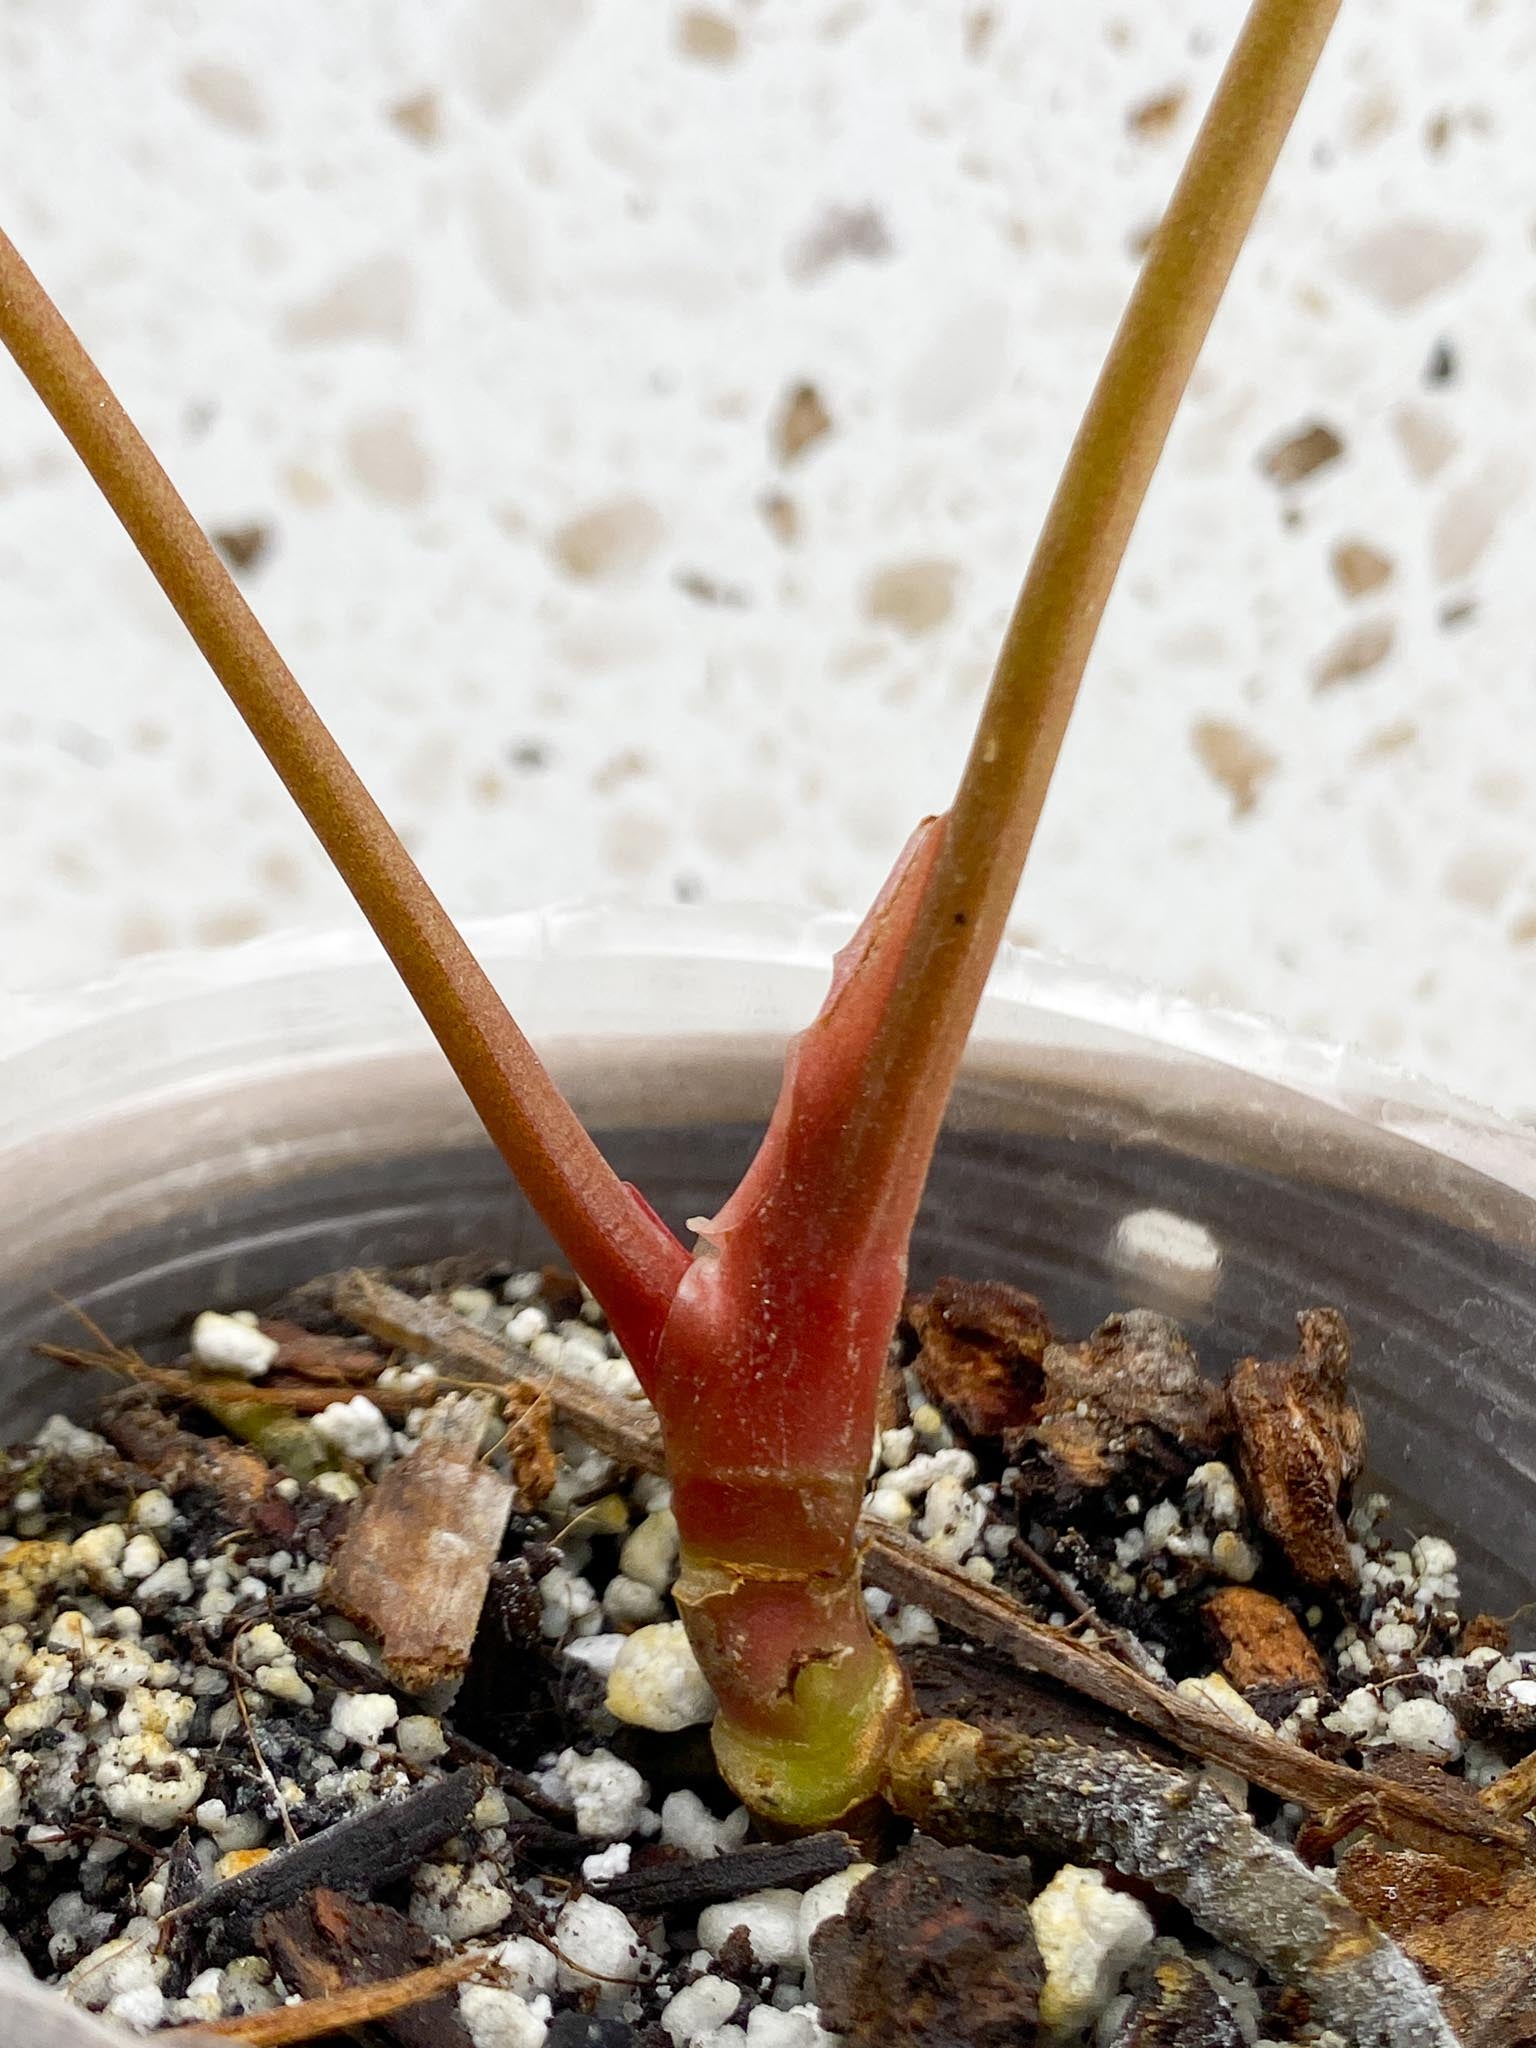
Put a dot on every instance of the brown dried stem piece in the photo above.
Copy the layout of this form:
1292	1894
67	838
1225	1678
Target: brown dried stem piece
317	2019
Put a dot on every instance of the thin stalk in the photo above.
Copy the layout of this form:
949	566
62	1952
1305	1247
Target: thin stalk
625	1255
1077	557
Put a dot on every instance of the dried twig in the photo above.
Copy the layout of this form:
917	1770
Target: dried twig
361	1853
1173	1831
901	1566
676	1887
318	2018
627	1431
1402	1813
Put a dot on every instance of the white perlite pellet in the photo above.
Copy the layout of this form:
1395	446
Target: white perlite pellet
656	1681
1358	1716
526	1966
603	1865
630	1603
356	1428
1087	1935
363	1718
708	2002
142	1556
227	1344
772	1923
597	1654
459	1901
650	1552
598	1948
496	2018
607	1795
771	2027
419	1738
688	1824
1425	1726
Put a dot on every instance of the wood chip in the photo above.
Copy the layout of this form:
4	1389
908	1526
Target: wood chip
1130	1405
329	1943
981	1347
1179	2007
936	1947
1259	1642
1301	1443
414	1564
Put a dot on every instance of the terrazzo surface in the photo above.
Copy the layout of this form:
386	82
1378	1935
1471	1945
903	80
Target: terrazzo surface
632	420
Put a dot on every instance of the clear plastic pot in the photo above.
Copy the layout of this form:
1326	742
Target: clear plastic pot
211	1130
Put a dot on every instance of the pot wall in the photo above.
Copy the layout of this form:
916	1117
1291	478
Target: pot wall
214	1132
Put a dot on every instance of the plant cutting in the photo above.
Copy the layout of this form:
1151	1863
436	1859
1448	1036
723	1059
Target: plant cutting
762	1346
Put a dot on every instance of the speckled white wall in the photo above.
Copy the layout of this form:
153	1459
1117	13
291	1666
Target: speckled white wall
631	419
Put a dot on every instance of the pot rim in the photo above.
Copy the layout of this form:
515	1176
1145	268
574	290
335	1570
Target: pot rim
51	1042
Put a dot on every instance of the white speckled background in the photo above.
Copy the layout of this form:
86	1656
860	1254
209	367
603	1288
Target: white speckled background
477	325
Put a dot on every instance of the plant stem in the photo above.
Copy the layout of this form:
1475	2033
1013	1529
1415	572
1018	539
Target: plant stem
1077	557
624	1253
